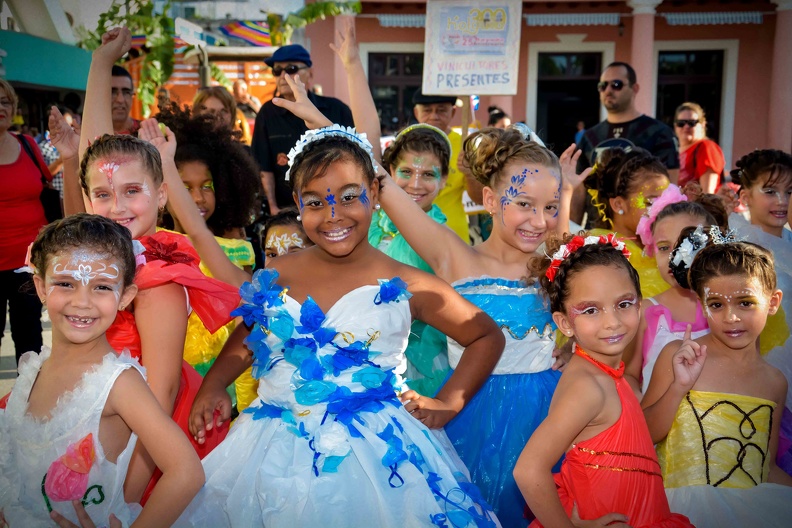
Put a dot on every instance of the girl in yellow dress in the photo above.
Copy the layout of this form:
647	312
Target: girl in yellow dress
714	405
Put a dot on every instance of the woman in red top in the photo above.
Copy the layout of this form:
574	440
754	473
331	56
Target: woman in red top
700	158
21	217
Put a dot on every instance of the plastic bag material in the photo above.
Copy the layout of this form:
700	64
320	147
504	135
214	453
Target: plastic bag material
67	477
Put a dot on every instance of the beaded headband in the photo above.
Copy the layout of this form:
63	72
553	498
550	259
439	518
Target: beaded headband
671	195
428	127
577	242
333	130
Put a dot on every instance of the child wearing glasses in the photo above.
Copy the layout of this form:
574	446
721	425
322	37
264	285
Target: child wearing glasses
700	158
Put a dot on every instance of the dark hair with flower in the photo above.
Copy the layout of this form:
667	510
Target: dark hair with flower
572	254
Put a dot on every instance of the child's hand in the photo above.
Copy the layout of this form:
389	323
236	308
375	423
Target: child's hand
569	176
431	412
610	520
302	107
347	50
151	131
211	408
115	44
688	361
562	356
63	137
82	516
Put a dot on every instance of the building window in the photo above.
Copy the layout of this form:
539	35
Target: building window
695	76
393	79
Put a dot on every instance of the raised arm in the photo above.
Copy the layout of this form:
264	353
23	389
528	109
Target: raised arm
183	208
570	181
438	305
98	120
67	141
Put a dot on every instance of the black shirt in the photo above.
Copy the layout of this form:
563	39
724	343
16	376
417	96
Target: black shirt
643	131
277	130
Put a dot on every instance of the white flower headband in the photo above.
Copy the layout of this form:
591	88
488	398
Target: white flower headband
332	130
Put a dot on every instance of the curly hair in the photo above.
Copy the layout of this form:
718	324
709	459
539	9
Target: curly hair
619	173
317	156
734	258
774	164
234	173
419	139
121	148
557	290
489	150
85	231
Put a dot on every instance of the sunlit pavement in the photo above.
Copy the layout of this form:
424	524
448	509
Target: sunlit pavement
8	372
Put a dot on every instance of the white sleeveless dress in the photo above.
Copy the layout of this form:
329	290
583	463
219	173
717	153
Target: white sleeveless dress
31	448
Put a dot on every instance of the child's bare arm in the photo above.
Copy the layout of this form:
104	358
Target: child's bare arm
183	208
633	357
677	368
569	415
438	305
67	141
212	397
98	97
182	474
161	319
570	180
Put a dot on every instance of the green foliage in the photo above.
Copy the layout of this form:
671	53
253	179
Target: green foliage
141	19
219	76
281	29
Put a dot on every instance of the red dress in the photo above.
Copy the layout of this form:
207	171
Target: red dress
171	258
617	470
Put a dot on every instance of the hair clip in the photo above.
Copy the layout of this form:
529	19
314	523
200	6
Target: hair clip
333	130
718	237
686	251
526	132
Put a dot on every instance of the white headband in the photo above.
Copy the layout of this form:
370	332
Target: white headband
333	130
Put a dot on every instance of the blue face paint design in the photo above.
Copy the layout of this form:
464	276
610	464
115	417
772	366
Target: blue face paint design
302	205
557	196
513	191
331	201
364	199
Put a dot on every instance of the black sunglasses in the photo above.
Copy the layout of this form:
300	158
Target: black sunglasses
291	69
680	123
616	84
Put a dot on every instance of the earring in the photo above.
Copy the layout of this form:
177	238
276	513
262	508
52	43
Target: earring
621	211
161	208
43	300
299	218
377	207
491	213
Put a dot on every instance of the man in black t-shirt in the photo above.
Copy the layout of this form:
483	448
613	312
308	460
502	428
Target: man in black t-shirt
277	130
625	126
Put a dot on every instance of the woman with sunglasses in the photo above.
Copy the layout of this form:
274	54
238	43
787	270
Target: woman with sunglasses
700	158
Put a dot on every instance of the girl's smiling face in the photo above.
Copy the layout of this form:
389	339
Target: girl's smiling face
768	203
336	208
524	205
121	190
199	183
420	177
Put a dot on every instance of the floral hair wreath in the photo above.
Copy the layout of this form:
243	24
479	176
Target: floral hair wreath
577	242
671	195
332	130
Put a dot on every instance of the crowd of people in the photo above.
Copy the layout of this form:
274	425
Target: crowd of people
357	361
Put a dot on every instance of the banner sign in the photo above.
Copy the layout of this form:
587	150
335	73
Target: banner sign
472	48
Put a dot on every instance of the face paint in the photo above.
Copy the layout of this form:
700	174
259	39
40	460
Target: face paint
282	243
417	163
403	174
145	189
299	198
514	190
108	169
331	201
436	171
711	295
364	199
592	308
81	268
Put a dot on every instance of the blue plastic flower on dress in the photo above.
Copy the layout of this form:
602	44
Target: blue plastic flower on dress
354	355
370	377
315	391
311	319
262	292
392	290
296	350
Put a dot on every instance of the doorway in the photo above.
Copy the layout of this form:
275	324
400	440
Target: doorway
566	94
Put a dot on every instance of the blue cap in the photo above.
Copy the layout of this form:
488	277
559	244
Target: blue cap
290	53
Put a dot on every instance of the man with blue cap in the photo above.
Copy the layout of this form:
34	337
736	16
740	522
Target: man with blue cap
277	130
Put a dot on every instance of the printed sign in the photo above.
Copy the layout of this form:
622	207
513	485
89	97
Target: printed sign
472	48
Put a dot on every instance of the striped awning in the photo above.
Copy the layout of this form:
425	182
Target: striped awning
573	19
252	32
713	18
412	21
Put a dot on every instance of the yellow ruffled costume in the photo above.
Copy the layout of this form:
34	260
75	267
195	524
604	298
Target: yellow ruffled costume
652	282
715	462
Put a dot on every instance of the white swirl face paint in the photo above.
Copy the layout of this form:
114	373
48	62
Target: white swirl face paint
85	266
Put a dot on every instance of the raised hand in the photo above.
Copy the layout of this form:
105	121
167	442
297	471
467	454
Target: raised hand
347	50
83	517
431	412
569	176
160	136
688	361
63	137
115	44
302	106
611	519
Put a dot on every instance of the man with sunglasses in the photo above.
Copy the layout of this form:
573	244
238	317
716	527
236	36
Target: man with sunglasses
625	126
277	130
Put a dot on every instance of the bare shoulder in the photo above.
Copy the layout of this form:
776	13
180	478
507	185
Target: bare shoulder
127	387
582	382
774	380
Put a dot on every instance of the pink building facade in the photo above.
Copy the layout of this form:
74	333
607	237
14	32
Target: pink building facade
733	57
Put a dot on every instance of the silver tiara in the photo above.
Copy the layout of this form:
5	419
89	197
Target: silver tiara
332	130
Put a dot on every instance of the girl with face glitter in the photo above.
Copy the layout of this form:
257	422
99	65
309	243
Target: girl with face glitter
77	410
122	179
714	406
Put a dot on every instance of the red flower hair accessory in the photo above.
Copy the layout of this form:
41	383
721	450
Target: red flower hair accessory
578	242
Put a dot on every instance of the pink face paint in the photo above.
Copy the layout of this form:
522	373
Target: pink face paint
108	169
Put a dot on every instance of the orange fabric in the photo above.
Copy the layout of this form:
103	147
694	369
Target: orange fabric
617	470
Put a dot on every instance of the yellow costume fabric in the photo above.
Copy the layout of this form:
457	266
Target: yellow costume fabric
449	199
717	439
652	282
